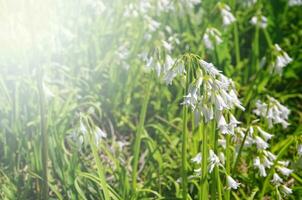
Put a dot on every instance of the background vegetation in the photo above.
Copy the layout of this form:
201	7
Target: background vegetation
80	107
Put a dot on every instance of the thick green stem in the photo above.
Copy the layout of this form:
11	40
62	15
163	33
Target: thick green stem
139	131
44	136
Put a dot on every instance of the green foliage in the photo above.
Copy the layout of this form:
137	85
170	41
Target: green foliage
96	81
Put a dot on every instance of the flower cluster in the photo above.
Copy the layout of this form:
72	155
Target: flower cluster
218	95
227	17
273	111
211	37
265	159
260	21
282	59
215	161
295	2
82	133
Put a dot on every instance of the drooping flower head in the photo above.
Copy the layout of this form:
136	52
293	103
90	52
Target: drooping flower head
211	37
226	14
217	98
282	59
231	183
273	111
260	21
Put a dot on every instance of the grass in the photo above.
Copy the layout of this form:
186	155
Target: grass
86	111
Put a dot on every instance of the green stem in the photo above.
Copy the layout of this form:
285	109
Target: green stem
255	56
256	51
204	171
184	154
44	136
215	171
137	142
240	148
228	163
268	38
185	135
236	38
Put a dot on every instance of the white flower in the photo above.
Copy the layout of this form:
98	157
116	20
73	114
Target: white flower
249	141
284	163
164	6
261	108
273	111
251	130
270	155
260	21
209	68
231	183
152	24
207	112
261	144
168	63
221	157
267	162
173	72
130	11
235	100
276	179
211	35
282	59
219	102
197	158
98	135
233	120
295	2
260	166
286	190
213	160
191	97
170	75
284	171
249	3
300	150
265	135
226	14
83	128
168	46
222	125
